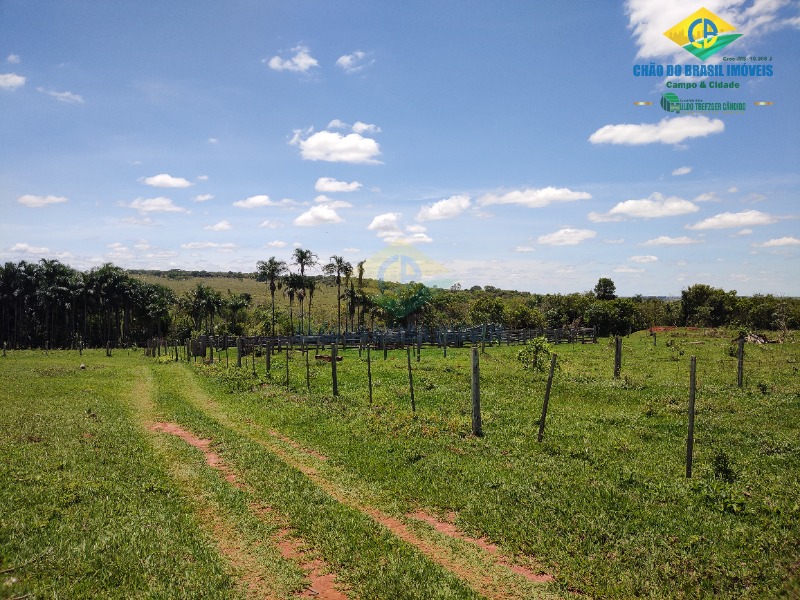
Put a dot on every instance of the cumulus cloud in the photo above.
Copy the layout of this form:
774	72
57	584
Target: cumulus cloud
260	201
444	209
318	215
655	206
360	127
204	197
160	204
667	131
163	180
329	184
331	146
269	224
707	197
331	203
66	97
276	244
682	171
213	140
301	62
337	124
665	240
644	259
40	201
11	81
385	222
779	242
355	62
628	270
524	249
566	236
13	59
221	226
727	220
23	248
534	198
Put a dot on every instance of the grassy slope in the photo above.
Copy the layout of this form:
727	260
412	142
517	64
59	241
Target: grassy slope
604	500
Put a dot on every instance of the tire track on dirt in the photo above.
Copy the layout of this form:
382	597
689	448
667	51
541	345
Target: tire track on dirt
251	576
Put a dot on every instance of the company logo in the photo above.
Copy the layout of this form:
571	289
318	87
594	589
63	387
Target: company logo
404	264
702	33
670	102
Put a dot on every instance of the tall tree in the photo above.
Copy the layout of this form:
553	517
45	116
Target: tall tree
605	289
303	259
338	266
271	272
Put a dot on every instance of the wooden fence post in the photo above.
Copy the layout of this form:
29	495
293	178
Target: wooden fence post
740	368
411	380
369	375
308	373
477	426
333	370
239	352
268	358
617	356
287	367
690	437
546	398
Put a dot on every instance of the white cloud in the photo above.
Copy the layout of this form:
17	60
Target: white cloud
301	62
262	200
335	147
385	222
416	228
11	81
269	224
360	127
566	236
221	226
353	63
644	259
13	59
213	140
779	242
329	184
204	197
23	248
727	220
524	249
534	198
665	240
228	247
318	215
144	221
667	131
655	206
202	178
160	204
66	97
331	203
337	124
276	244
682	171
163	180
744	232
40	201
444	209
707	197
627	270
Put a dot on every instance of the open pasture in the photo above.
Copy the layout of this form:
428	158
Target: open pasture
395	503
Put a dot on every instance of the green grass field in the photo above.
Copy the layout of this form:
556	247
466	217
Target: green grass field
96	503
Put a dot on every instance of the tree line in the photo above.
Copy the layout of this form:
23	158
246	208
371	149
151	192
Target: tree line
49	304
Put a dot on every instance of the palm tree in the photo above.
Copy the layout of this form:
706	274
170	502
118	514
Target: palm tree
303	259
311	287
271	272
292	284
236	303
338	266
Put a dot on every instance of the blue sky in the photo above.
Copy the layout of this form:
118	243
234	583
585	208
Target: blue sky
489	142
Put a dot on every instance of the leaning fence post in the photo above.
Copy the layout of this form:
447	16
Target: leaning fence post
690	437
333	370
546	398
477	426
740	368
